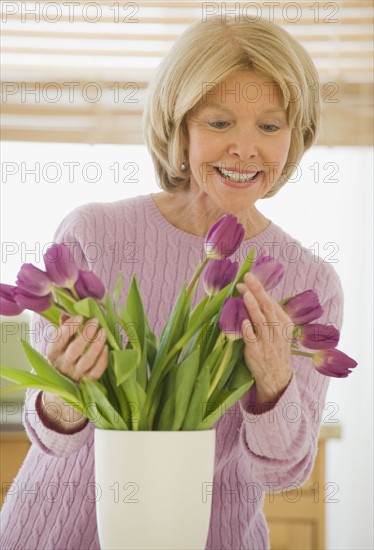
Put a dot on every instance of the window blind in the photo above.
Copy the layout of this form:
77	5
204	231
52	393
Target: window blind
78	71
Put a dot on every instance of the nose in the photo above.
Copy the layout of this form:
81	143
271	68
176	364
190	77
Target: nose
243	145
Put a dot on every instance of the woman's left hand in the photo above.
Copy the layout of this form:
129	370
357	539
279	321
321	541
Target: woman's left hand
267	351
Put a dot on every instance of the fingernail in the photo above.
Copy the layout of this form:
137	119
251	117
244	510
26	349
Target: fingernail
242	288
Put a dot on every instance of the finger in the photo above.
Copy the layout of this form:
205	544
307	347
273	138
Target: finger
265	301
64	317
64	333
101	364
250	334
242	288
90	357
255	310
81	343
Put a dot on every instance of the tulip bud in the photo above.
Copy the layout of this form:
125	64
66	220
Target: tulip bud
316	336
60	265
8	305
32	302
303	308
89	285
233	314
268	271
34	280
332	362
224	238
218	274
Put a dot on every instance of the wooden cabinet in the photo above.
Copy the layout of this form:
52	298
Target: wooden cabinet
296	517
13	449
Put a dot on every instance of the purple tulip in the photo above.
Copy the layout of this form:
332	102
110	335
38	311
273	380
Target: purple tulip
268	271
218	274
332	362
32	302
8	305
60	265
303	308
89	285
34	280
233	314
316	336
224	237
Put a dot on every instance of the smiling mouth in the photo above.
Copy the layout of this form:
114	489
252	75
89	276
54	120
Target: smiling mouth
237	177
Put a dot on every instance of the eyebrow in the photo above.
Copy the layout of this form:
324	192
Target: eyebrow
222	108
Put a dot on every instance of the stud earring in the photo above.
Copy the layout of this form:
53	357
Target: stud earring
184	166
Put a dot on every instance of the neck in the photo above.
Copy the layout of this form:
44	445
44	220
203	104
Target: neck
194	213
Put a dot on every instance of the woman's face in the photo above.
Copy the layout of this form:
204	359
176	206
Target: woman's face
238	141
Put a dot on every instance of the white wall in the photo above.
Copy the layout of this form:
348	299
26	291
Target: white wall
328	208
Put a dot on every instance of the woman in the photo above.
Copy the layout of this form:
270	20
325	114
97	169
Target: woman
229	115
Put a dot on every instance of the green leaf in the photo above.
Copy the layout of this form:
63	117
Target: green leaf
89	308
236	357
52	315
227	399
151	353
118	287
164	402
29	380
185	379
171	333
164	421
65	299
135	310
111	319
124	364
197	402
45	370
247	265
241	374
198	309
107	417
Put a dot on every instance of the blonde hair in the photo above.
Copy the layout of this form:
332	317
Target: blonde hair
208	53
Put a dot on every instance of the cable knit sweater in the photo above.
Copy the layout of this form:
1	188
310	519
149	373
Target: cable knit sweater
52	503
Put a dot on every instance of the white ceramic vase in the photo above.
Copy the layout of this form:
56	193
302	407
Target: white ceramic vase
153	489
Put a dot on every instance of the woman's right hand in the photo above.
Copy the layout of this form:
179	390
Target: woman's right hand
79	354
77	351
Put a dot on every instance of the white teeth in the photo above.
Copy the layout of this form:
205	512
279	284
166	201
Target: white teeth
237	176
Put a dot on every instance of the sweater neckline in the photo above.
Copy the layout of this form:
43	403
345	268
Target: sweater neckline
159	219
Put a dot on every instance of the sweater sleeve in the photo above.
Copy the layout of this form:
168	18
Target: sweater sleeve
282	442
47	438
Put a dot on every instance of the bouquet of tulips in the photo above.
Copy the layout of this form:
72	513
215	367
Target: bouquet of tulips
195	371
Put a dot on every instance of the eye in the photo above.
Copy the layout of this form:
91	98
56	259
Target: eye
219	124
270	127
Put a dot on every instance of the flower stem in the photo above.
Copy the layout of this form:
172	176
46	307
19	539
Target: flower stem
302	353
225	361
62	292
196	275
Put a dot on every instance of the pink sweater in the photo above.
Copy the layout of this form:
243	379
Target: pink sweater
52	505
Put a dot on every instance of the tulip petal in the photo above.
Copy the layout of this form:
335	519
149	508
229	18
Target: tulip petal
268	271
224	237
334	363
317	336
218	274
233	314
303	308
60	265
88	285
8	305
33	280
32	302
